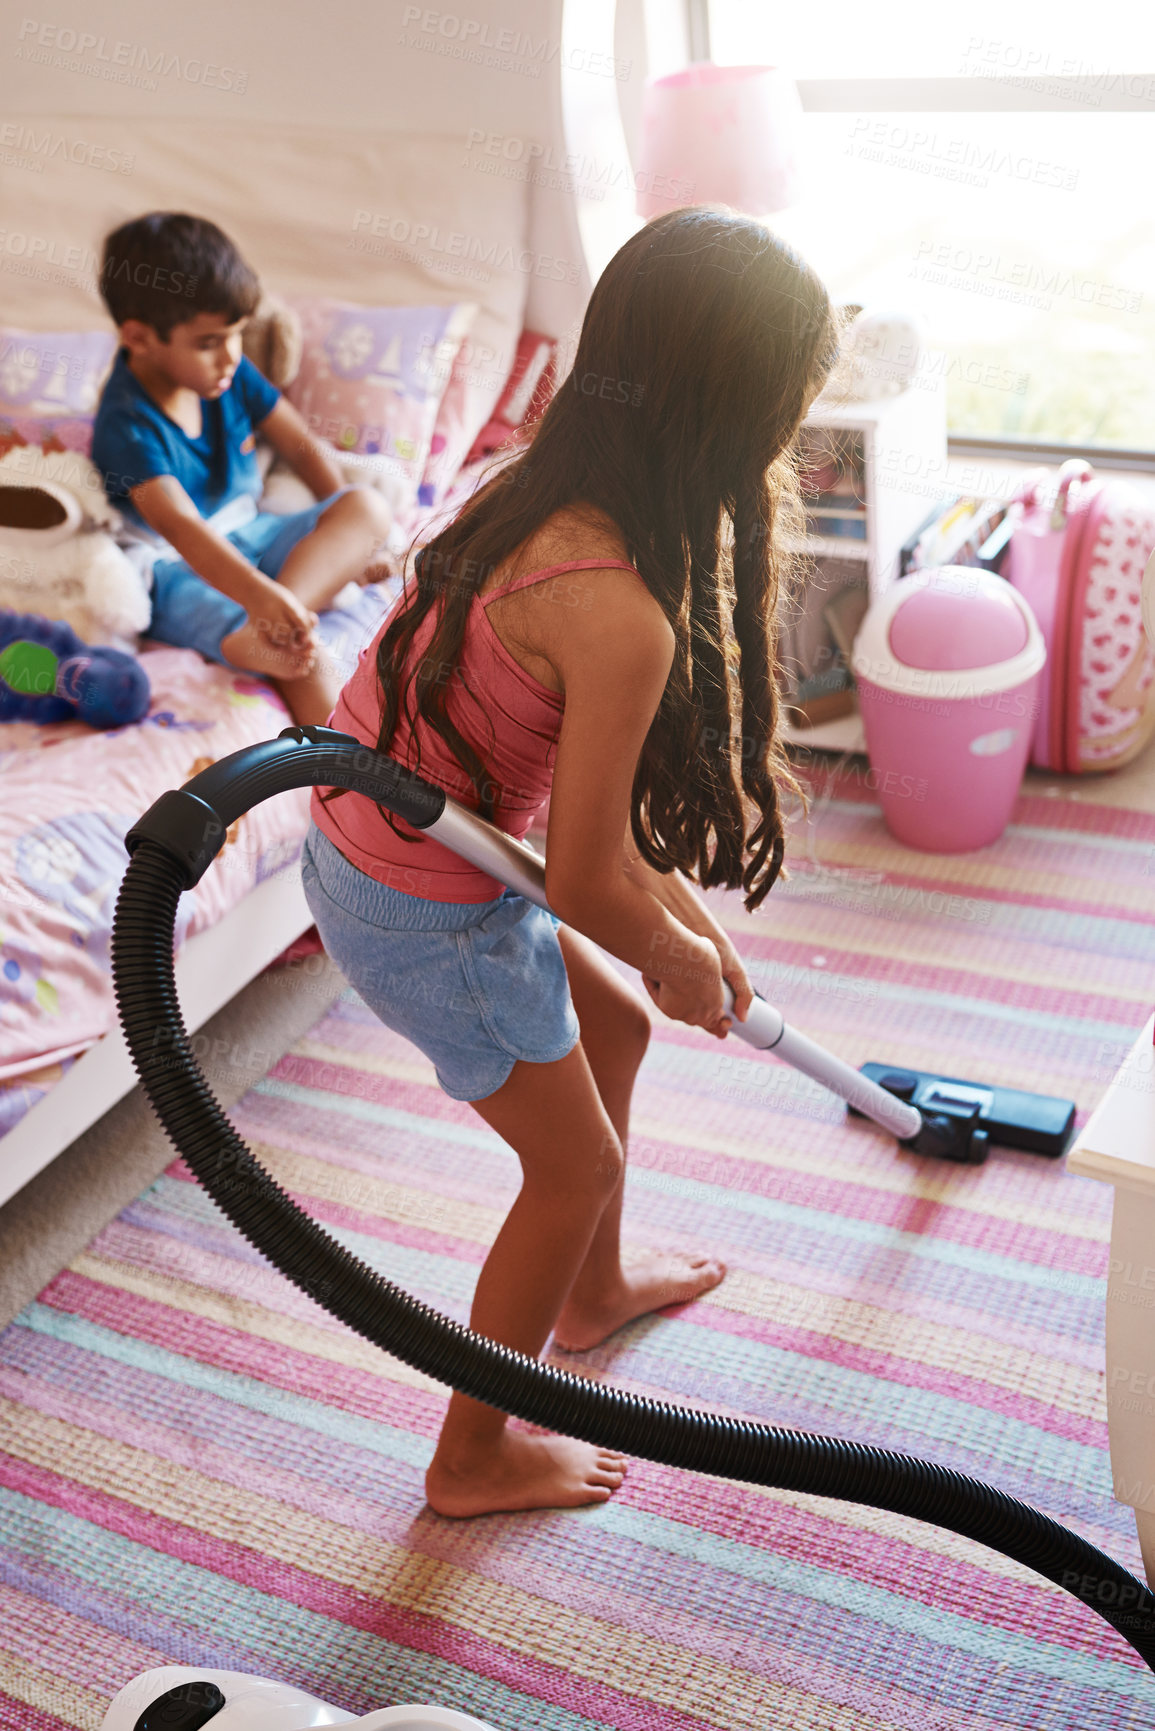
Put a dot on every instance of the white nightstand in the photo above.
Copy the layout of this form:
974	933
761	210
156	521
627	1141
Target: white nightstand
1117	1145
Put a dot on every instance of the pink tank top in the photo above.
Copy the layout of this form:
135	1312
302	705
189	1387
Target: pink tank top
526	720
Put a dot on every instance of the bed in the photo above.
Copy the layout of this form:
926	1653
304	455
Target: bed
375	220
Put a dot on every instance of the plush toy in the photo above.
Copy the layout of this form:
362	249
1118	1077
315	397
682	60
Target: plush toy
272	340
879	357
59	552
48	674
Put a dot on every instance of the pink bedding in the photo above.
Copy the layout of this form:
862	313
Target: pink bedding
68	795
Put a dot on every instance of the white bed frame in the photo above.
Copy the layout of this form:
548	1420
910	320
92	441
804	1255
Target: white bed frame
210	969
215	964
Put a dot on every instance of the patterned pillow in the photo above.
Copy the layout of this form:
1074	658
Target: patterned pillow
50	435
528	390
50	383
372	378
460	433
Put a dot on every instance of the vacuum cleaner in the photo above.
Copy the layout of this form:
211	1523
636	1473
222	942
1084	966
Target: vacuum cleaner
171	847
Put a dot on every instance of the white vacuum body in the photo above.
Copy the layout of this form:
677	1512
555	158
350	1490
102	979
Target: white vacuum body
184	1698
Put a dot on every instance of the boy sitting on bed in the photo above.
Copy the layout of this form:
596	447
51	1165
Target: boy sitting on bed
174	439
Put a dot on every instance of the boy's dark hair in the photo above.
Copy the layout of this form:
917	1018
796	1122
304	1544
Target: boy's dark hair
166	267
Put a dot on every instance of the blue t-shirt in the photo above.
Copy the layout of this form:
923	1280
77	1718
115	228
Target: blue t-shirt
133	440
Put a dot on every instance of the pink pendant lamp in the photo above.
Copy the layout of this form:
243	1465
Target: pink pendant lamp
720	135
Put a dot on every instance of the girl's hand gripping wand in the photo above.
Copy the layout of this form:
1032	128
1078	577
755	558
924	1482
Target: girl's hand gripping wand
952	1134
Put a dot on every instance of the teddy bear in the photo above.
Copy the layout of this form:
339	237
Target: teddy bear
59	555
272	341
879	356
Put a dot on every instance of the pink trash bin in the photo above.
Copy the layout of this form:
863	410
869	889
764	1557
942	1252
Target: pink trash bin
947	665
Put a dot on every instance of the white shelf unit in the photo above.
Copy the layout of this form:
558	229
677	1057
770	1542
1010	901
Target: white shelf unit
905	475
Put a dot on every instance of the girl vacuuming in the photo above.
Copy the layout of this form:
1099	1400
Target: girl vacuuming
598	625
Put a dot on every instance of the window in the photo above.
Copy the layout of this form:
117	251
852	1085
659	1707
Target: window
991	172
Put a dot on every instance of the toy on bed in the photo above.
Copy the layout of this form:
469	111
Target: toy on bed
48	674
59	552
880	355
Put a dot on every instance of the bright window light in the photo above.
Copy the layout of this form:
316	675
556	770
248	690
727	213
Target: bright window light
909	39
1025	242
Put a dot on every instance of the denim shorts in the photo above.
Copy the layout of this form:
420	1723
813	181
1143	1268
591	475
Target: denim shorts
475	985
190	614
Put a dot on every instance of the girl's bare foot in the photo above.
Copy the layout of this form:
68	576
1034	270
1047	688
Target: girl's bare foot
663	1278
525	1472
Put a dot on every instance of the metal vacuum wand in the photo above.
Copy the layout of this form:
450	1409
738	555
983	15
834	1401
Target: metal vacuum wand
521	867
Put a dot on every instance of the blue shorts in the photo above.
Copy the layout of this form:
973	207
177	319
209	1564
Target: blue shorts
475	985
190	614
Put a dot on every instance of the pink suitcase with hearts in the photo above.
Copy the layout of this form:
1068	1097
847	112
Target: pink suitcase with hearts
1077	555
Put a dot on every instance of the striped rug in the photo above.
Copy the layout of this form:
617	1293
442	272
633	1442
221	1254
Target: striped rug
202	1467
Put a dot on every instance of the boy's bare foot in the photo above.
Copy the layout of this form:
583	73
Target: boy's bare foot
525	1472
663	1278
381	570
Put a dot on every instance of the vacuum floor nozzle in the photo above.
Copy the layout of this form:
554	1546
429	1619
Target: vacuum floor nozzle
961	1119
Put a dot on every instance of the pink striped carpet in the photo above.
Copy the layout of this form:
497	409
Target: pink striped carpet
200	1466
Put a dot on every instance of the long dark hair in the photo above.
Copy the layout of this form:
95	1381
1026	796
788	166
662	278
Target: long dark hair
704	341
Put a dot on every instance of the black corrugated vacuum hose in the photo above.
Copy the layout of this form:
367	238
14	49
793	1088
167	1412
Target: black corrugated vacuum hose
171	847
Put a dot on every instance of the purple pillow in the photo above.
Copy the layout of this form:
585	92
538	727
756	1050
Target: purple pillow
371	379
53	375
